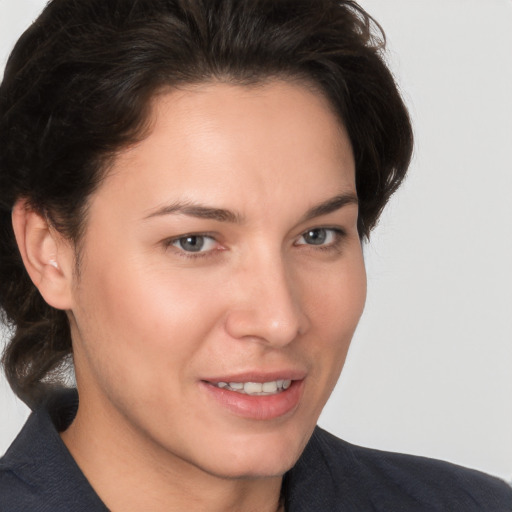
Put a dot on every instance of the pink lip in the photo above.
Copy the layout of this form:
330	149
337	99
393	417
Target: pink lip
257	407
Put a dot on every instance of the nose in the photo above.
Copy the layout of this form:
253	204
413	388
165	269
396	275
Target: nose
267	306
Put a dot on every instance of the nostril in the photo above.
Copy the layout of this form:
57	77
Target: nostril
268	326
267	307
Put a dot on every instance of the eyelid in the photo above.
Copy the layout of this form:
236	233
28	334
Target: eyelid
204	238
338	234
170	243
204	234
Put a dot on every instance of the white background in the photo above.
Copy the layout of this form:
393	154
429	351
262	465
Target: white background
430	369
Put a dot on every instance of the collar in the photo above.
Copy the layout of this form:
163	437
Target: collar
39	458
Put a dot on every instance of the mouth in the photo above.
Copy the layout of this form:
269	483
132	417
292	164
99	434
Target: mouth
257	396
269	388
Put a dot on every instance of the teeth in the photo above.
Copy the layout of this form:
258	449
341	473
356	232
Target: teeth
269	387
256	388
251	388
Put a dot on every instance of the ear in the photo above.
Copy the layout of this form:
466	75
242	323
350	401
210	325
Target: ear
48	258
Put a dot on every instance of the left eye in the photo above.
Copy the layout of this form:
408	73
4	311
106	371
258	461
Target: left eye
194	243
318	236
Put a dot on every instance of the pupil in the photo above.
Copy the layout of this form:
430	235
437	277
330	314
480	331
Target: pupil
192	243
316	236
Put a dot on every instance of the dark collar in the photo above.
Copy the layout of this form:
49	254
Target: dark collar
331	475
39	459
44	468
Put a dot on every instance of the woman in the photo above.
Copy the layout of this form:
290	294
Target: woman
185	186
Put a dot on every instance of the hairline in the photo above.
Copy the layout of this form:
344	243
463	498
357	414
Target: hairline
145	127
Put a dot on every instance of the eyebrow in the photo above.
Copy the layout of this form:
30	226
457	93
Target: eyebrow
222	215
330	206
199	211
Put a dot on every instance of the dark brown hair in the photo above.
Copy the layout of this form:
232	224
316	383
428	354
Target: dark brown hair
77	89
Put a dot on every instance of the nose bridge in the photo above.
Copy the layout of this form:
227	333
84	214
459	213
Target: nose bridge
268	306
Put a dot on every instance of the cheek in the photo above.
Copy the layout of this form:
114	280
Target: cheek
138	324
338	296
135	296
336	308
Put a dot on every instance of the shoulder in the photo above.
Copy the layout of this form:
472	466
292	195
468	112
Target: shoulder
368	479
38	474
21	485
19	482
16	493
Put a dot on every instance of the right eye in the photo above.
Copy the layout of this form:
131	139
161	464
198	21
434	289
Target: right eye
321	238
194	243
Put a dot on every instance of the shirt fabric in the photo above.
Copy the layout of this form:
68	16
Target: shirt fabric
38	474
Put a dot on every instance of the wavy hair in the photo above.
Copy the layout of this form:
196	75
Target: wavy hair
77	89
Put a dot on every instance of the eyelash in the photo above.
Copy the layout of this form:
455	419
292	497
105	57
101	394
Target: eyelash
337	233
170	243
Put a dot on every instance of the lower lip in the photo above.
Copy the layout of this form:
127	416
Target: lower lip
257	407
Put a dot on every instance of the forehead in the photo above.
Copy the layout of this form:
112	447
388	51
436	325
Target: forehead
220	140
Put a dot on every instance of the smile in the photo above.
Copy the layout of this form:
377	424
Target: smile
272	387
264	400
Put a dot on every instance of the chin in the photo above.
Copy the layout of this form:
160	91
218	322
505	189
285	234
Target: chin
247	469
257	456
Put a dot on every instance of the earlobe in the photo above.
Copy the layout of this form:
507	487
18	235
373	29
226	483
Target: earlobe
47	257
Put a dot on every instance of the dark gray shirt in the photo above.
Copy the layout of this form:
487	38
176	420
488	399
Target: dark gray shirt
38	474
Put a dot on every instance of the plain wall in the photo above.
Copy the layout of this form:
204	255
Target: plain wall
430	368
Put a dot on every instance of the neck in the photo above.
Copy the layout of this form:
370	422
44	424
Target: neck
129	474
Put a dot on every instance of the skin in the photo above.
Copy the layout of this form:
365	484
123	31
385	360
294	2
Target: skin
151	322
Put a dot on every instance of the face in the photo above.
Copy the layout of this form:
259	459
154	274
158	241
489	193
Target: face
221	279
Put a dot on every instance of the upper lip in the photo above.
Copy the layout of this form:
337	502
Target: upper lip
259	376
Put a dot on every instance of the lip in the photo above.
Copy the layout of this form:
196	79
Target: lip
257	407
